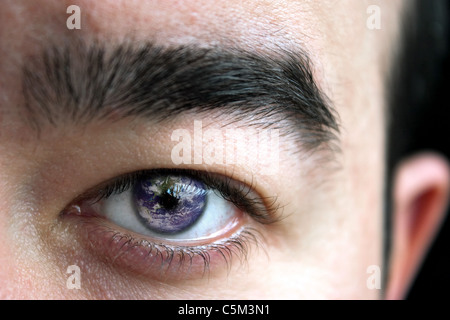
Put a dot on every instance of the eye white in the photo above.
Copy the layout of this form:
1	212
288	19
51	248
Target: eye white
217	214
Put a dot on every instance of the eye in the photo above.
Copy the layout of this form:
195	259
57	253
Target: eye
175	207
171	221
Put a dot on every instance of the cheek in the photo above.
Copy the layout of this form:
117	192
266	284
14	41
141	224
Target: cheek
334	236
358	232
7	287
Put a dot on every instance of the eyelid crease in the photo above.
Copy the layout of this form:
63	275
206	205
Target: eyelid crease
265	210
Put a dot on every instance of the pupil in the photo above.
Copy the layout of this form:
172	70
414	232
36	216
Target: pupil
169	204
168	201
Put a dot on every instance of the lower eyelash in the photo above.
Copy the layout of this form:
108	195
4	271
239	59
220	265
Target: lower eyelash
174	261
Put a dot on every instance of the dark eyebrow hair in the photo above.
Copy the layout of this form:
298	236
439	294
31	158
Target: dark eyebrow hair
81	82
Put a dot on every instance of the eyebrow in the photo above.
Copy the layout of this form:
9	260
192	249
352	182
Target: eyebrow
80	82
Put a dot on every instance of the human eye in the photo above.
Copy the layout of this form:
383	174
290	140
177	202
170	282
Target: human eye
171	222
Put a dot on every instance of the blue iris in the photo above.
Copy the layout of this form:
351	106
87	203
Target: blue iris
170	204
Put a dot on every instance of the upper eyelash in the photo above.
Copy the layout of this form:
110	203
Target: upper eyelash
264	210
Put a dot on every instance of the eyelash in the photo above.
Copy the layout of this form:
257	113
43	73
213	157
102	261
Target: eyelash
262	210
238	246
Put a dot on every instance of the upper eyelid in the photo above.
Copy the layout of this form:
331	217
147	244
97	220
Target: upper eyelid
265	210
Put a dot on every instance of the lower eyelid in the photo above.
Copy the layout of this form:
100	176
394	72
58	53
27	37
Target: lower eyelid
159	260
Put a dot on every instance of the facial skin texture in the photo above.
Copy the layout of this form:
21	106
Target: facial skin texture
332	225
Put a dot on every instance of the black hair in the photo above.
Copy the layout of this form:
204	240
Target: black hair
412	88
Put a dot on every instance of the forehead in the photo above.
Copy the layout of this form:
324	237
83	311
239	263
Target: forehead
333	32
258	24
345	53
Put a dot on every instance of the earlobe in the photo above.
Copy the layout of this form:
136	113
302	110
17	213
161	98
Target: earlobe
421	189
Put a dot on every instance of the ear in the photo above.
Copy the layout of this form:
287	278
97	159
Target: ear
421	189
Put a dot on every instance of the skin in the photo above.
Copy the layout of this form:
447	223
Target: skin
332	225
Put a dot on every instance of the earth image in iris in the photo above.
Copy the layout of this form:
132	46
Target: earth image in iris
170	204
